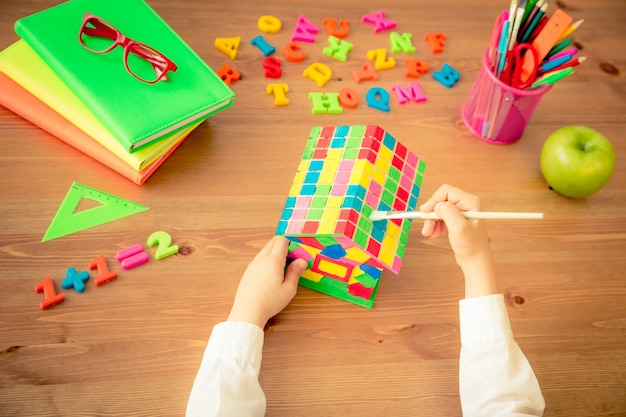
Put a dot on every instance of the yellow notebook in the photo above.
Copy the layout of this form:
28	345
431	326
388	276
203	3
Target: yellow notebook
25	67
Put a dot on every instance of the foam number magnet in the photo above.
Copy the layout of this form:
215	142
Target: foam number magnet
104	275
132	256
50	297
164	240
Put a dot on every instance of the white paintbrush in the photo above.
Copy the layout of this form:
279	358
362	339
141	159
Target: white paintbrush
381	215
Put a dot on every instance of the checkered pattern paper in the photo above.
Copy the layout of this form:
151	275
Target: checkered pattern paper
346	172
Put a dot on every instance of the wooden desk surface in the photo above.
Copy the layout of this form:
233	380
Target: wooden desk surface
132	347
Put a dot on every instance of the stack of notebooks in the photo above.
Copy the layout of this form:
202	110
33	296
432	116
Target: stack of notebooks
92	101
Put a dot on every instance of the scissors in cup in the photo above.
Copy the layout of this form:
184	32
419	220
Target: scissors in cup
522	66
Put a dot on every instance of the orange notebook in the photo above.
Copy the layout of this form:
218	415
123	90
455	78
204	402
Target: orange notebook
20	63
24	104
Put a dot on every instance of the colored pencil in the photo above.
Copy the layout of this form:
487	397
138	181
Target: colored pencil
570	64
552	63
571	52
530	4
570	29
558	48
536	19
528	19
542	23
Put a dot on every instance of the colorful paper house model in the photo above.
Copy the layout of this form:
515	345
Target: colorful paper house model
347	172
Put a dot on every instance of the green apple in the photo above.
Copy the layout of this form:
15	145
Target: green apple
577	161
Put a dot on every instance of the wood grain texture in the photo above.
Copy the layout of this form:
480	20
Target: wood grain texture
133	346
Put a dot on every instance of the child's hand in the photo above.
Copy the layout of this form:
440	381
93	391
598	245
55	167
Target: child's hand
468	238
266	288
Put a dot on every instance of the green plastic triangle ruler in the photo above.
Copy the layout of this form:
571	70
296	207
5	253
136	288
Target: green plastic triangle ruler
68	221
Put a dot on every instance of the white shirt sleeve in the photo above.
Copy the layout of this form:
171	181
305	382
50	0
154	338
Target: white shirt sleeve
495	378
227	383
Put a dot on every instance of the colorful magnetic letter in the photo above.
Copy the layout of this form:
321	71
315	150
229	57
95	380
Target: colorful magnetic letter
269	24
262	44
349	98
132	256
379	56
345	173
128	252
280	93
293	52
435	41
164	240
448	76
367	73
304	31
67	220
379	21
135	260
272	67
333	30
378	98
228	45
325	103
401	43
104	275
412	93
228	74
338	48
75	279
415	68
318	72
50	297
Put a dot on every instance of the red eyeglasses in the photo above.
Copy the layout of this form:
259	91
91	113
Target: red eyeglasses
142	61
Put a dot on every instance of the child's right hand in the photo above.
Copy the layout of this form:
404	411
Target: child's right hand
266	286
468	238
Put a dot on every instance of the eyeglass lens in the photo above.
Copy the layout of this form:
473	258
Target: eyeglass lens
98	36
144	62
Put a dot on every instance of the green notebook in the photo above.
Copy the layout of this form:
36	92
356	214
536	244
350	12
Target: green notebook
135	112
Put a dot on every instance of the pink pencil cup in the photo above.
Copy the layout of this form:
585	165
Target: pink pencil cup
496	112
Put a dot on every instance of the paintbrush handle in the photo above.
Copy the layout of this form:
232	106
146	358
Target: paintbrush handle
467	214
